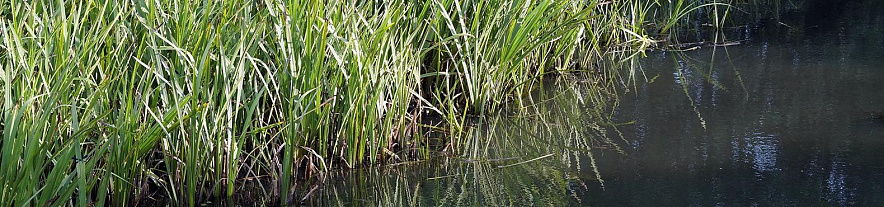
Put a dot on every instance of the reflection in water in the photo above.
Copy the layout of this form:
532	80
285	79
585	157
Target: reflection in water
781	120
785	117
762	148
515	163
836	184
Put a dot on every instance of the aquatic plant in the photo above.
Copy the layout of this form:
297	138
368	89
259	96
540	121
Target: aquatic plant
116	102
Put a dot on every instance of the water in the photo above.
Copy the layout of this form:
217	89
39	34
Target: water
784	119
797	131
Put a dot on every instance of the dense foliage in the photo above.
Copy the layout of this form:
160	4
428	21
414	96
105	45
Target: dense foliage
109	102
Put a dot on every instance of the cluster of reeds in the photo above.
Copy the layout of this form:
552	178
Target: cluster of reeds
115	102
533	157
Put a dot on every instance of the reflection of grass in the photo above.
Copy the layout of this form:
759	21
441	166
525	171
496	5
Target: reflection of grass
194	99
533	158
463	184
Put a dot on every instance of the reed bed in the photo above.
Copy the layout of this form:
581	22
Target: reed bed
134	101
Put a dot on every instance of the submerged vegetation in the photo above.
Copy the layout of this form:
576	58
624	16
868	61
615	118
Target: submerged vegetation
120	102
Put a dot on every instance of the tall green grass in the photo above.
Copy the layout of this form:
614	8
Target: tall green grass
120	102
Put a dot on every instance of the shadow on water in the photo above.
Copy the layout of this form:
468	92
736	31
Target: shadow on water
787	118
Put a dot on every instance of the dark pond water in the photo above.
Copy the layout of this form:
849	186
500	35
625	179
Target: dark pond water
787	122
784	119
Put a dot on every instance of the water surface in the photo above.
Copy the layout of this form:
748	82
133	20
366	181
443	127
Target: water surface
783	119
